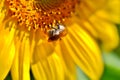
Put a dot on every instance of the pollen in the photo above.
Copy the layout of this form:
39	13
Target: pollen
40	14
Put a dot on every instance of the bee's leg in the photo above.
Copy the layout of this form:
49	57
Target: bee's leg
60	39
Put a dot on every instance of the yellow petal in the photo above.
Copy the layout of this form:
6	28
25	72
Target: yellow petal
21	66
40	47
42	50
103	19
86	8
111	11
83	50
68	63
7	50
49	69
85	24
107	32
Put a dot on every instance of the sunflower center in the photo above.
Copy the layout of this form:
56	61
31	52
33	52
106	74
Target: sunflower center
40	14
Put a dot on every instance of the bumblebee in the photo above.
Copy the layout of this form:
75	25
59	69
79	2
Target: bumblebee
56	33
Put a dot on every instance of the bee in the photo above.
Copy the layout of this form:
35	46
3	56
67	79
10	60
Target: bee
56	33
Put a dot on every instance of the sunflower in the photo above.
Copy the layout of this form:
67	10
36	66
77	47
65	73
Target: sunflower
51	37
